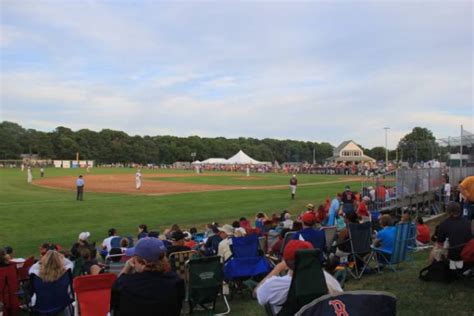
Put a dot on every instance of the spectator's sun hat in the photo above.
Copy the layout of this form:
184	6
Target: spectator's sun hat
229	230
147	248
294	245
309	206
177	235
308	218
84	236
187	236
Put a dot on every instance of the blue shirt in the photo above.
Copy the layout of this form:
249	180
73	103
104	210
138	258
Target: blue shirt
335	204
315	236
386	237
80	182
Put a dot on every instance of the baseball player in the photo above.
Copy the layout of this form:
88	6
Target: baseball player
30	175
293	185
138	180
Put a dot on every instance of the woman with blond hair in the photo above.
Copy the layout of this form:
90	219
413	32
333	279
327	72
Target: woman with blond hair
52	266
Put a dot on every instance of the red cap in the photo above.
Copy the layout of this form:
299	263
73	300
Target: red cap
308	218
293	246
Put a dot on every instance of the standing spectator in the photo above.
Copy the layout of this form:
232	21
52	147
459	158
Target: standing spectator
334	209
293	185
347	200
146	285
80	188
447	193
142	231
422	232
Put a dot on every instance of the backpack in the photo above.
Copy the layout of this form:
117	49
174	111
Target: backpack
467	253
438	271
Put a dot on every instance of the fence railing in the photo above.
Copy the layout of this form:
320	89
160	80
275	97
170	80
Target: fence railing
456	174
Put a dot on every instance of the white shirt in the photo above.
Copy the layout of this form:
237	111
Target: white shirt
223	249
138	176
274	290
106	243
447	189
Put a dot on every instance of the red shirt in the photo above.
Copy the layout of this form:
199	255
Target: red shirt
422	233
362	210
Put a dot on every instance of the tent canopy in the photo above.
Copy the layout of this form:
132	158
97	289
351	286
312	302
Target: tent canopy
215	161
242	158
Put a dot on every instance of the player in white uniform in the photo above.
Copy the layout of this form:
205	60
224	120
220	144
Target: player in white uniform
138	180
30	175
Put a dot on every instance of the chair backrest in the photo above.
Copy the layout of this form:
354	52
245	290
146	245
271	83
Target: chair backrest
308	282
115	242
288	236
412	235
52	297
93	293
354	303
8	289
199	237
360	236
178	262
130	241
330	233
23	271
205	279
400	245
244	247
262	243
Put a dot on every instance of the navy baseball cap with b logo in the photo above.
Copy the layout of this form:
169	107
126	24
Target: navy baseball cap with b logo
147	248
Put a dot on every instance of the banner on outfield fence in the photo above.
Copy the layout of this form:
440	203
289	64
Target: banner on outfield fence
66	164
75	164
58	163
83	163
90	163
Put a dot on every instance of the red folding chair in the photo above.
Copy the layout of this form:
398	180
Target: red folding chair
23	271
93	293
9	290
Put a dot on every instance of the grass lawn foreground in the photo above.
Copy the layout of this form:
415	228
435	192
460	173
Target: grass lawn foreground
31	215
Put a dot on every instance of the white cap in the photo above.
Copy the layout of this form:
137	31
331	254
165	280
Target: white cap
84	235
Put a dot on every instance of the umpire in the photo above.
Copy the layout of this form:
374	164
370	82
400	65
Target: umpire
80	188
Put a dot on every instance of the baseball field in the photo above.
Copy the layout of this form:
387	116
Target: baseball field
47	210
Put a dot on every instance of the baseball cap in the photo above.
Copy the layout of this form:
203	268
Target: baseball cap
294	245
187	235
84	236
177	235
308	218
147	248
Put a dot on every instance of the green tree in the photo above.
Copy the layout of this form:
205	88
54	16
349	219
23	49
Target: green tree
418	145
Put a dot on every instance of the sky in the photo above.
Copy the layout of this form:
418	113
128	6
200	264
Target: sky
305	70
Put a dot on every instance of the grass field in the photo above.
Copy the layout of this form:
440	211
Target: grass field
30	215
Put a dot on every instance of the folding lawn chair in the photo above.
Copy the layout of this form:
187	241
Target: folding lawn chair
360	238
178	262
330	234
354	303
115	242
52	297
288	236
8	290
93	293
400	247
308	282
206	277
23	271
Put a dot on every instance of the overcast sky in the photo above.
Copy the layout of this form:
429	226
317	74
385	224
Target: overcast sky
313	71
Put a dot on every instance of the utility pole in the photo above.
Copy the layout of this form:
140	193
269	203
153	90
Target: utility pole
386	149
314	155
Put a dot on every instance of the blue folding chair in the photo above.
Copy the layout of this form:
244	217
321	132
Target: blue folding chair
400	247
245	260
52	297
115	242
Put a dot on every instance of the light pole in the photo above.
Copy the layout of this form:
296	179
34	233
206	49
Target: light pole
386	149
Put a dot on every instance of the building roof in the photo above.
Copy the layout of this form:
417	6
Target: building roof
351	158
342	145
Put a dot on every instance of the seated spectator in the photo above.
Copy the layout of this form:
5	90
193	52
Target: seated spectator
343	248
4	260
177	243
106	244
422	232
316	237
236	224
275	250
385	238
239	232
188	240
154	234
225	233
169	232
82	241
124	243
142	231
147	278
51	266
90	265
260	218
288	222
456	231
273	289
212	243
9	252
406	217
267	226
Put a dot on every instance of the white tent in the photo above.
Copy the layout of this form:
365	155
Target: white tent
242	158
214	161
197	162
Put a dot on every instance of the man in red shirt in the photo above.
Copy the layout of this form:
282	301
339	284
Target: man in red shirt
422	232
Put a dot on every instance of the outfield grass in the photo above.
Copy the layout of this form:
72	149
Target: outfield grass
30	215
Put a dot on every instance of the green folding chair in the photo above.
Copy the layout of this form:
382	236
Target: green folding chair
307	283
206	277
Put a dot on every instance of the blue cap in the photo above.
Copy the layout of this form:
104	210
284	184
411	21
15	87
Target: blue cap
149	249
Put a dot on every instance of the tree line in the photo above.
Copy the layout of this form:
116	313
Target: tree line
110	146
